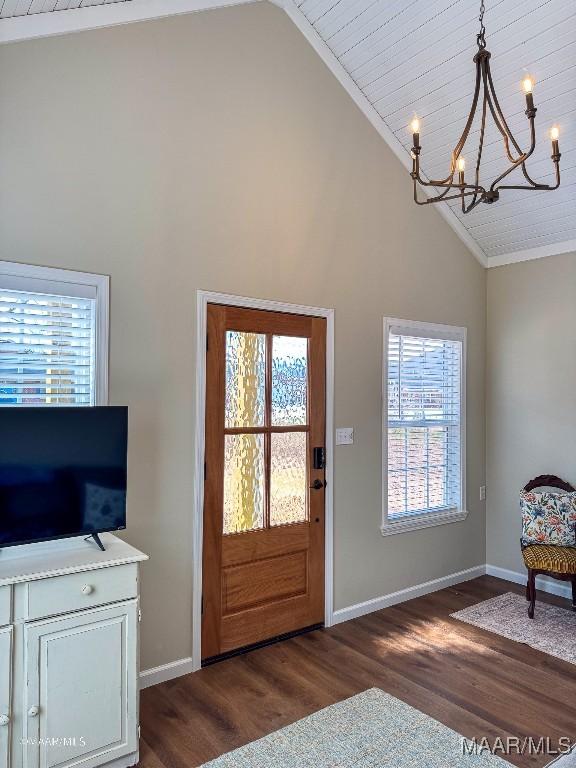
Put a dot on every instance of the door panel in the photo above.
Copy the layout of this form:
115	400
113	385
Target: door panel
252	583
80	690
5	693
263	557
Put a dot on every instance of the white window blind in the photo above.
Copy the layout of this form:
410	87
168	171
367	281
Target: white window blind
424	427
47	348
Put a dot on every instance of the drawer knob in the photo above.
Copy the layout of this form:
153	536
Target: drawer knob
87	589
33	712
4	720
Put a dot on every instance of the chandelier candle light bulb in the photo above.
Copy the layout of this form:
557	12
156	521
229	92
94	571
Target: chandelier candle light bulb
528	84
484	99
461	164
554	135
415	127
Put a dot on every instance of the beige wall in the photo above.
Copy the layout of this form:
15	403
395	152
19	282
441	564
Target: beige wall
216	151
531	397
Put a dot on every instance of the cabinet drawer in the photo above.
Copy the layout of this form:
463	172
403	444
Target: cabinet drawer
5	605
61	594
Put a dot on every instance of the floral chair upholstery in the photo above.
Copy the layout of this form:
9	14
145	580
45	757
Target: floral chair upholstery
548	559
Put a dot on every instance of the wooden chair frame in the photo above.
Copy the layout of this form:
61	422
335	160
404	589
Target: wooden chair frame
550	481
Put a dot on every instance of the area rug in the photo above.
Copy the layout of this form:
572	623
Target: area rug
370	730
552	630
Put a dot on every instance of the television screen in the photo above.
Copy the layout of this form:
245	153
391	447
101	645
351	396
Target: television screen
62	472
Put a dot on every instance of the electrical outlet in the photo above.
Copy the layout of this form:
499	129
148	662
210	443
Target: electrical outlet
345	436
482	493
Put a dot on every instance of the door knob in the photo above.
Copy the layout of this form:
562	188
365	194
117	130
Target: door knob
318	484
87	589
4	720
33	712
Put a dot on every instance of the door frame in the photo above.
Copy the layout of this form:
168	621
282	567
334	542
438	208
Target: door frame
203	298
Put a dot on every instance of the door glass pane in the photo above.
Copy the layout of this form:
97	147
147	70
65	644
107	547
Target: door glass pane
289	380
245	379
243	483
288	491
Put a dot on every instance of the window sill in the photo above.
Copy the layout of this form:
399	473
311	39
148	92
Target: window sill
413	523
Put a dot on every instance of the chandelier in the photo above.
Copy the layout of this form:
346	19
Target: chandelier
460	187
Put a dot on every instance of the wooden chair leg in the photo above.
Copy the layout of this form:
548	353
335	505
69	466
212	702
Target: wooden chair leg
532	586
574	593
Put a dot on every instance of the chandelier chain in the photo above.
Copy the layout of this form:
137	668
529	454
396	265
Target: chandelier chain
481	38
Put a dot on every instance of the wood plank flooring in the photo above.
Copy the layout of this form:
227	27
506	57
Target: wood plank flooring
476	682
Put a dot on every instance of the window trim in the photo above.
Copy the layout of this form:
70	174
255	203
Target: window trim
413	522
67	282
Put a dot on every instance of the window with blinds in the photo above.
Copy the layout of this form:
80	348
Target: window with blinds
47	348
423	443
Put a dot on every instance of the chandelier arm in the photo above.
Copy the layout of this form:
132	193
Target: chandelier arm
538	187
509	170
473	204
527	176
462	140
498	116
448	181
479	156
503	128
445	199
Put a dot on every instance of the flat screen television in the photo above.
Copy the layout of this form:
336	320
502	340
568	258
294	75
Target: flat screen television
62	472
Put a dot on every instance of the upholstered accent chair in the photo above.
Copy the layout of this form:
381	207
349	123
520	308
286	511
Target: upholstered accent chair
545	559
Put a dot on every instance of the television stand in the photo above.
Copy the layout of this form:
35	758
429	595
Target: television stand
97	539
59	601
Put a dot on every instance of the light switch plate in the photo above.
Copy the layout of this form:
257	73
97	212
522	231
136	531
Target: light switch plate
345	436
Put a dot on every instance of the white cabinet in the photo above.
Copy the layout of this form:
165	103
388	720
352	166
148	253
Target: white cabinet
69	657
5	694
80	696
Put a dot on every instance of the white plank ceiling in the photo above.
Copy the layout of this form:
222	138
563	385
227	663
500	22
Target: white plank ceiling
400	58
11	8
414	57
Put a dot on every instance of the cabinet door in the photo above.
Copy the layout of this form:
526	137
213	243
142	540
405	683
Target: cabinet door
5	693
81	694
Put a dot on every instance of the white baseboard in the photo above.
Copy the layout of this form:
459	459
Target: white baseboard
385	601
165	672
559	588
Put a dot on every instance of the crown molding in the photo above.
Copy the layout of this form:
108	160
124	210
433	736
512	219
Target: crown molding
555	249
29	27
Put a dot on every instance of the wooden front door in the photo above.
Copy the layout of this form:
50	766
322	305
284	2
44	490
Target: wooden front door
263	552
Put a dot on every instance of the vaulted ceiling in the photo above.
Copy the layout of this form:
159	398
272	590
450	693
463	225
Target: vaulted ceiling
398	58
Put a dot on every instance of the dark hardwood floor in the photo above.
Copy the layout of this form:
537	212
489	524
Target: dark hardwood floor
476	682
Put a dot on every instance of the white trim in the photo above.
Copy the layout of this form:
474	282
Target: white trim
542	582
555	249
36	25
442	517
373	116
426	520
385	601
164	672
203	299
67	282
